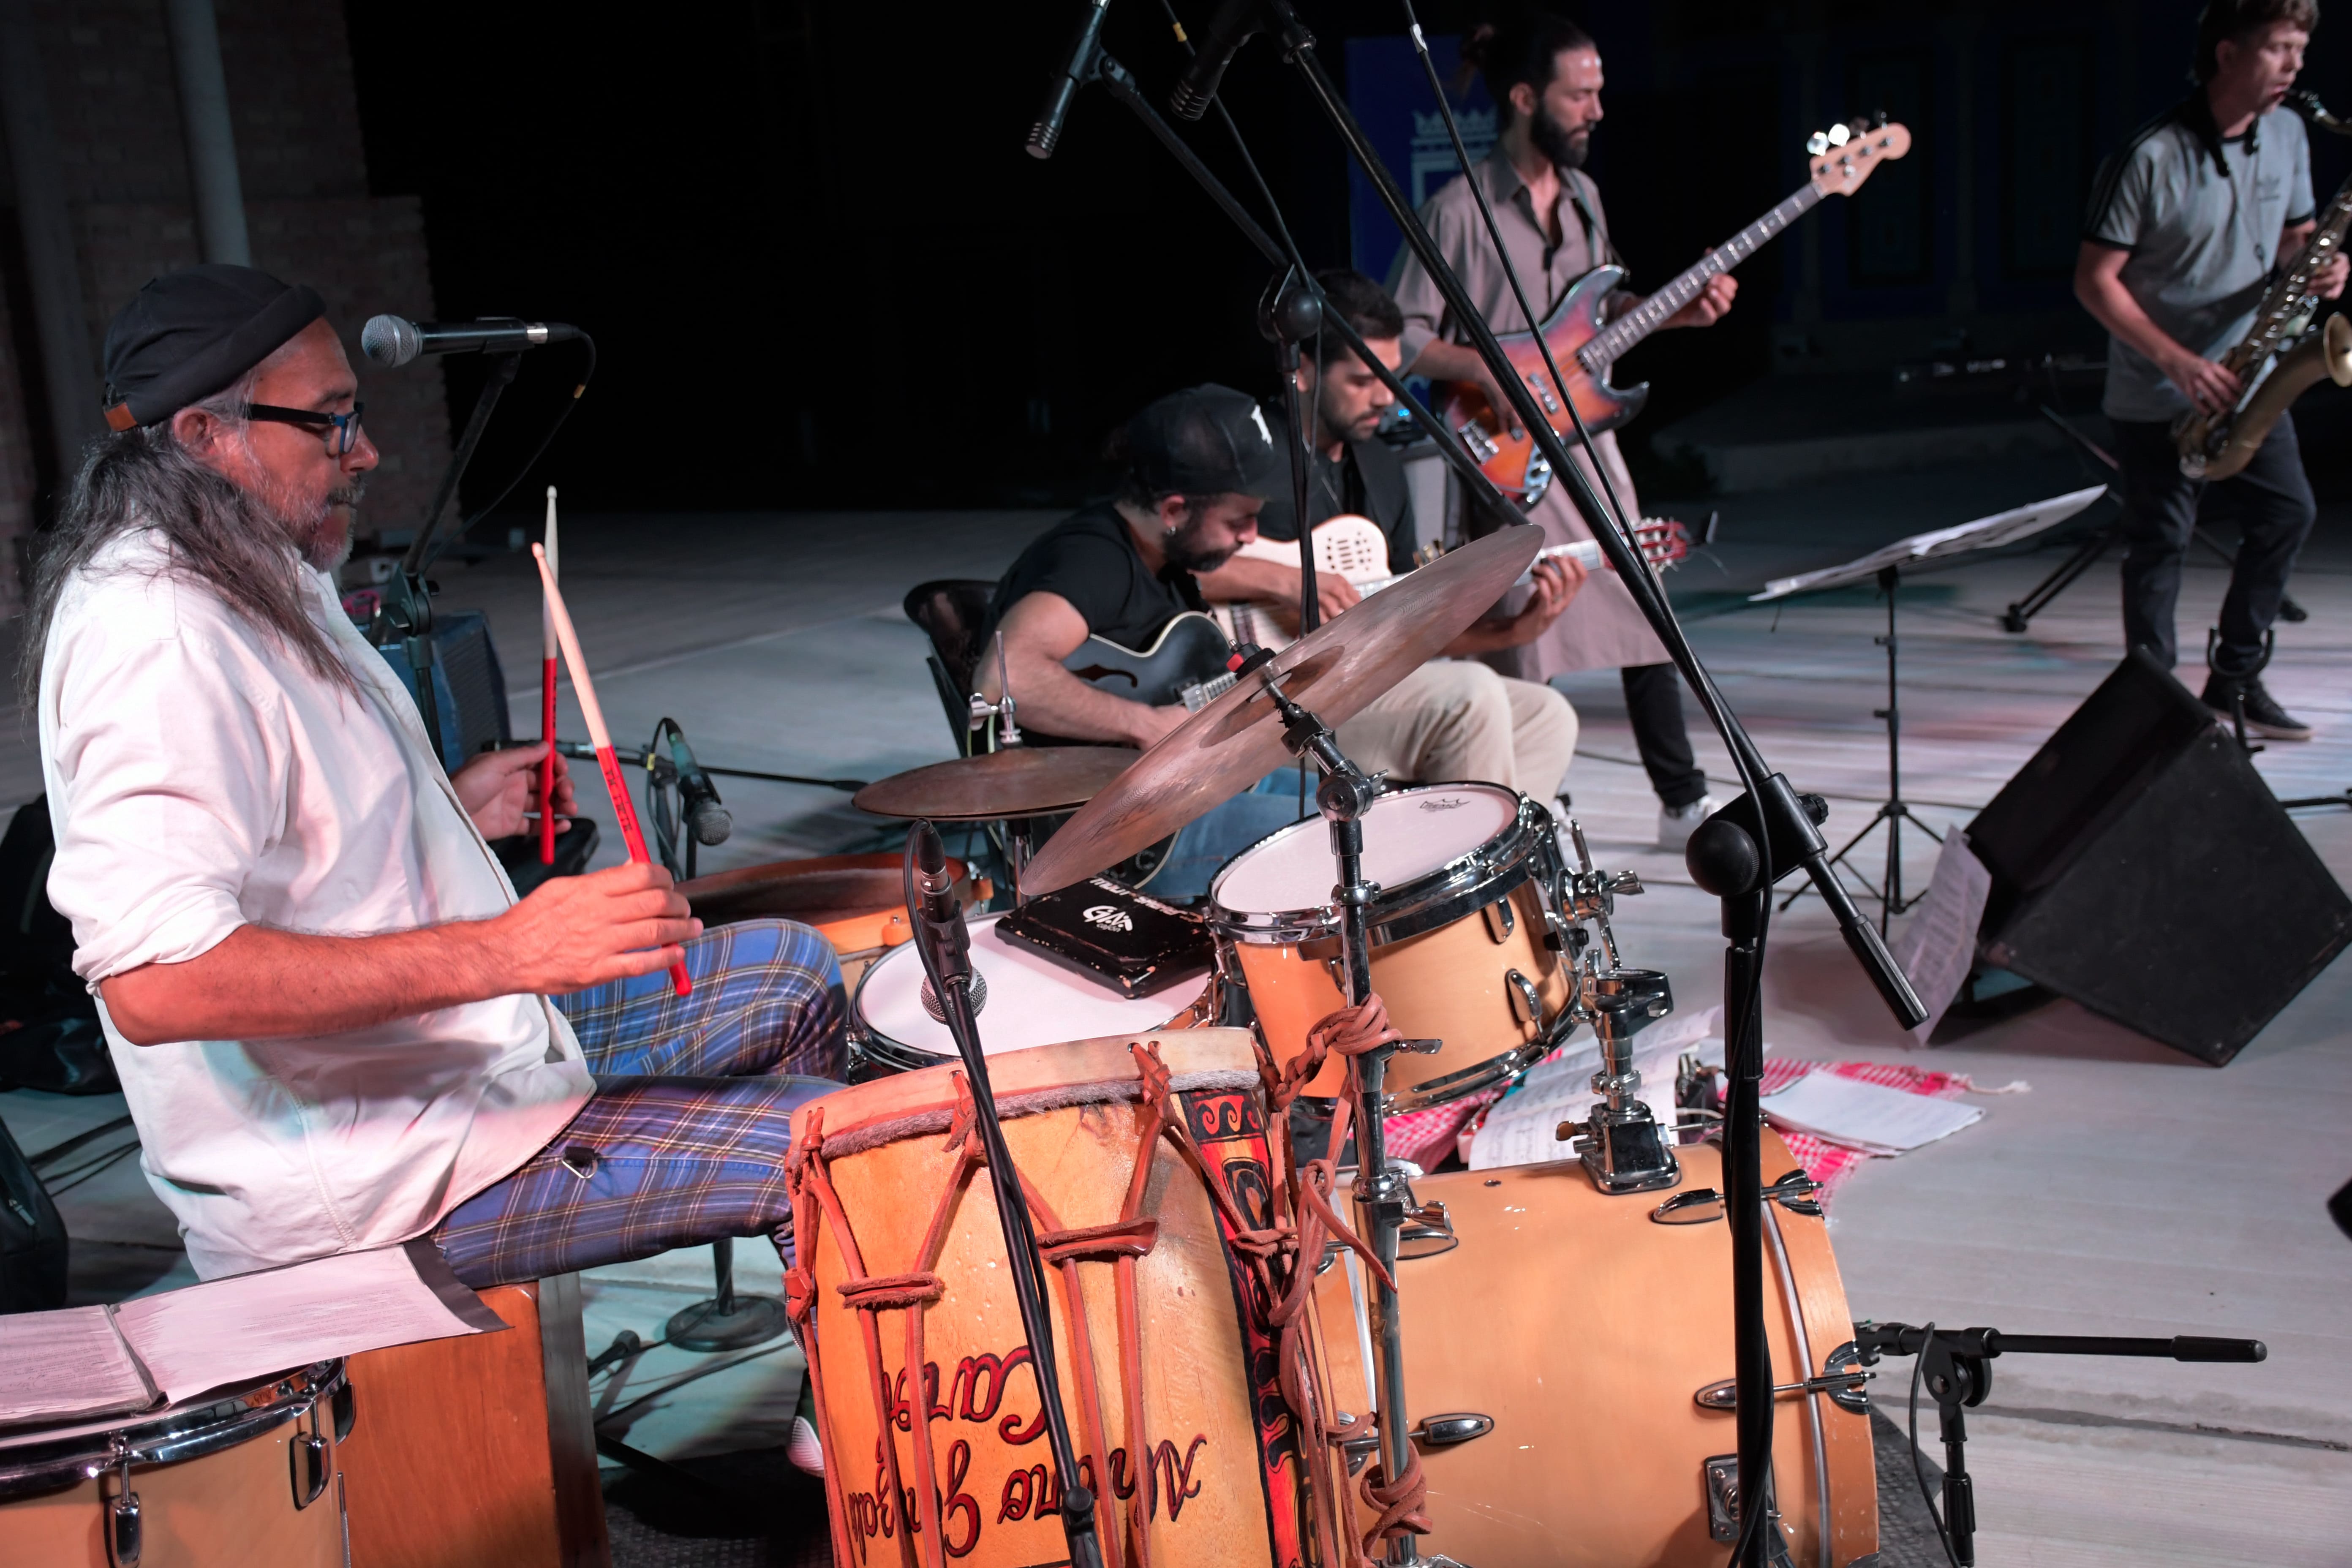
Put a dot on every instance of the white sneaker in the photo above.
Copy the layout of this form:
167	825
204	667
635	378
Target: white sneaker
1675	826
803	1449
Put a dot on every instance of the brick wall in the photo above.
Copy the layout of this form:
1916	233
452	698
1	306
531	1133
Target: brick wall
308	211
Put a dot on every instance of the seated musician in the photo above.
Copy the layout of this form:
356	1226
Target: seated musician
1199	466
337	1027
1454	718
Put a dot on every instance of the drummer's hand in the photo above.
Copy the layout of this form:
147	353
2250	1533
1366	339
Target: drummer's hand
499	790
1149	726
572	932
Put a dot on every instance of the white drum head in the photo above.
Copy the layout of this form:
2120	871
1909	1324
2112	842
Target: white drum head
1032	1000
1408	833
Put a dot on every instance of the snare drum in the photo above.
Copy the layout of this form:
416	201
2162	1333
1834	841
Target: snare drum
254	1475
1458	928
1568	1362
1026	999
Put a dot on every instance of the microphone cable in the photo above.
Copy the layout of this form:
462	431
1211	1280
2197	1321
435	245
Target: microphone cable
467	524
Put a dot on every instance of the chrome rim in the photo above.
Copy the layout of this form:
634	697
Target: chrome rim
32	1468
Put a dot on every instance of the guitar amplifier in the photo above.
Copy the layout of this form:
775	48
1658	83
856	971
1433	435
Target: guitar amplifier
1114	935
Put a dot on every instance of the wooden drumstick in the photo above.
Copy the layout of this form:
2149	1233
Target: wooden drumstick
547	657
569	641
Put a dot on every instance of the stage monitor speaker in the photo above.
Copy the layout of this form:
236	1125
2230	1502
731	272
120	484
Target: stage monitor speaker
2141	866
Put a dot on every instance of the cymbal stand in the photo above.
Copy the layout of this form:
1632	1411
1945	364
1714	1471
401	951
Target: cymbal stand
1383	1198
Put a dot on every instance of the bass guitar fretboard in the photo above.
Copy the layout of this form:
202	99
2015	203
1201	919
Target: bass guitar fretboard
1612	342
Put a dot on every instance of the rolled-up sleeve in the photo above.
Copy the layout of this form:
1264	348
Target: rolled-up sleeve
1416	291
173	788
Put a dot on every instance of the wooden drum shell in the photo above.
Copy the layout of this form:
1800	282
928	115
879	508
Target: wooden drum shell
1584	1329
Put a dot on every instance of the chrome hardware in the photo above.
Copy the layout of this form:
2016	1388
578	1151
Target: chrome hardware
1721	1476
1625	882
1360	1452
307	1457
1724	1396
1444	1431
978	986
1537	478
1794	1191
1500	921
1522	992
1474	437
1536	384
1419	1048
346	1405
1427	1233
1851	1396
124	1530
1623	1148
1496	1072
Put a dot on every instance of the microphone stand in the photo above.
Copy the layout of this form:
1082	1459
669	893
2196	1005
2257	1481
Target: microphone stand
1953	1368
947	961
407	604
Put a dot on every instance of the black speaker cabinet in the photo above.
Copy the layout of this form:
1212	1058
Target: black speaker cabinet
2141	866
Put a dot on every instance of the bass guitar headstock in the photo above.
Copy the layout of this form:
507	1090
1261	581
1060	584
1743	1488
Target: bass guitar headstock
1841	158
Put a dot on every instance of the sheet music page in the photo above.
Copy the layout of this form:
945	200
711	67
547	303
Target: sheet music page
1863	1115
57	1365
1520	1131
250	1325
1936	949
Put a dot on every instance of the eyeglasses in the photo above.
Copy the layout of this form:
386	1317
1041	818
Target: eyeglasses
341	430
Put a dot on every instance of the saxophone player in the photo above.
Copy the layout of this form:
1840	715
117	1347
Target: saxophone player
2186	226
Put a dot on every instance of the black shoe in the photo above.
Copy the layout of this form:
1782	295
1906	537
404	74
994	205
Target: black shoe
2264	716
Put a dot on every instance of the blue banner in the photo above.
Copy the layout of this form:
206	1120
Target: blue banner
1389	93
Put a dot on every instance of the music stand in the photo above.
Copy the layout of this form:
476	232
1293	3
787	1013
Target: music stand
1886	567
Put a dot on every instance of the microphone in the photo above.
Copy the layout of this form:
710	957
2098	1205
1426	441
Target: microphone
1236	23
1047	132
705	818
393	341
938	919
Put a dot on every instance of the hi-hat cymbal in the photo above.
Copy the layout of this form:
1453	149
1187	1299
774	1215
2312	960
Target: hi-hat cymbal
1334	672
1018	782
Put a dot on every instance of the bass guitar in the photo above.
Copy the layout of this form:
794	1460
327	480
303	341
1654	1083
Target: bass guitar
1354	547
1585	343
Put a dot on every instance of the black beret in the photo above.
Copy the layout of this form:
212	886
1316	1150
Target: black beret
189	333
1203	441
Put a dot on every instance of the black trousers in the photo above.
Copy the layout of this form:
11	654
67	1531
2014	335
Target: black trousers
1653	701
2271	500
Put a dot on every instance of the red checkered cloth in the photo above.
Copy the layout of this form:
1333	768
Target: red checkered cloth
1830	1163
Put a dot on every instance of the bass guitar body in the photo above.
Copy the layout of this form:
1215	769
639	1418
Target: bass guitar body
1185	663
1514	462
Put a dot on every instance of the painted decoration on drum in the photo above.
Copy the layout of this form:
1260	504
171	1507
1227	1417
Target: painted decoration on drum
927	1391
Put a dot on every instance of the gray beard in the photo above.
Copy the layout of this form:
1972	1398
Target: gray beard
313	534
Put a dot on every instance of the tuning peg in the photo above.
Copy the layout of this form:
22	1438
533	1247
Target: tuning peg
1817	144
1879	121
1839	135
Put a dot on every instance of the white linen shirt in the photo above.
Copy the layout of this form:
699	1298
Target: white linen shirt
202	778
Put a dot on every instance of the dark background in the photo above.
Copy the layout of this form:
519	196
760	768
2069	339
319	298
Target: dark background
823	271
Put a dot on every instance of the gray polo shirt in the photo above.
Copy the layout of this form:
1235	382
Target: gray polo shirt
2203	242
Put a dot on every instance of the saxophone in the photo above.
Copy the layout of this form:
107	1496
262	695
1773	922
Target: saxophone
2215	446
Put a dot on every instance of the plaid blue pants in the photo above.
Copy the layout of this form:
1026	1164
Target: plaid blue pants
683	1140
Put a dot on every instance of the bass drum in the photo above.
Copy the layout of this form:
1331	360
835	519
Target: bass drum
250	1475
1562	1345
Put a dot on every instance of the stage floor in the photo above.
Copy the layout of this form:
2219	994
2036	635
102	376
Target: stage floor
2133	1190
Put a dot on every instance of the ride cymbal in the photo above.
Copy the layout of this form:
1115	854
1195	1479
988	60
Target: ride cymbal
1334	672
1018	782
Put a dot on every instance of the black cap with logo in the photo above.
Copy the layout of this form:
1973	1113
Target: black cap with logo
1202	441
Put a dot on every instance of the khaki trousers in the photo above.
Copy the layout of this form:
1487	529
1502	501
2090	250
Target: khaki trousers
1457	719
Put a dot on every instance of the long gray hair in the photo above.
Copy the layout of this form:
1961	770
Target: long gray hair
217	533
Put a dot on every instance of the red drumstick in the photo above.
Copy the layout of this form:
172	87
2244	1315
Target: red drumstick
569	641
547	657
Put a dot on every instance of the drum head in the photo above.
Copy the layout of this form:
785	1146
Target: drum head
1408	833
1032	1000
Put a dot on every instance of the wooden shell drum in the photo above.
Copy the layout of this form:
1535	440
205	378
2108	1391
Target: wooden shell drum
1169	1376
1029	1001
244	1477
857	902
1583	1331
1457	932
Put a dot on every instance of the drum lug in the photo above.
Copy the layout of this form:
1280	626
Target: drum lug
1446	1431
1428	1232
1500	921
1523	992
346	1408
307	1456
123	1528
1844	1388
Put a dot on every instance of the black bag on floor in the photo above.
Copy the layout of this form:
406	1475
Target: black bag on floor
32	1237
56	1043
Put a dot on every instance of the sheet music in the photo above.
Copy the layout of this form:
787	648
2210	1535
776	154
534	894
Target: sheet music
250	1325
1864	1116
1939	945
1520	1131
59	1366
1982	533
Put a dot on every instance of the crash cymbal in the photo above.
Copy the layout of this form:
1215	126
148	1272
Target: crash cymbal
1018	782
1334	672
